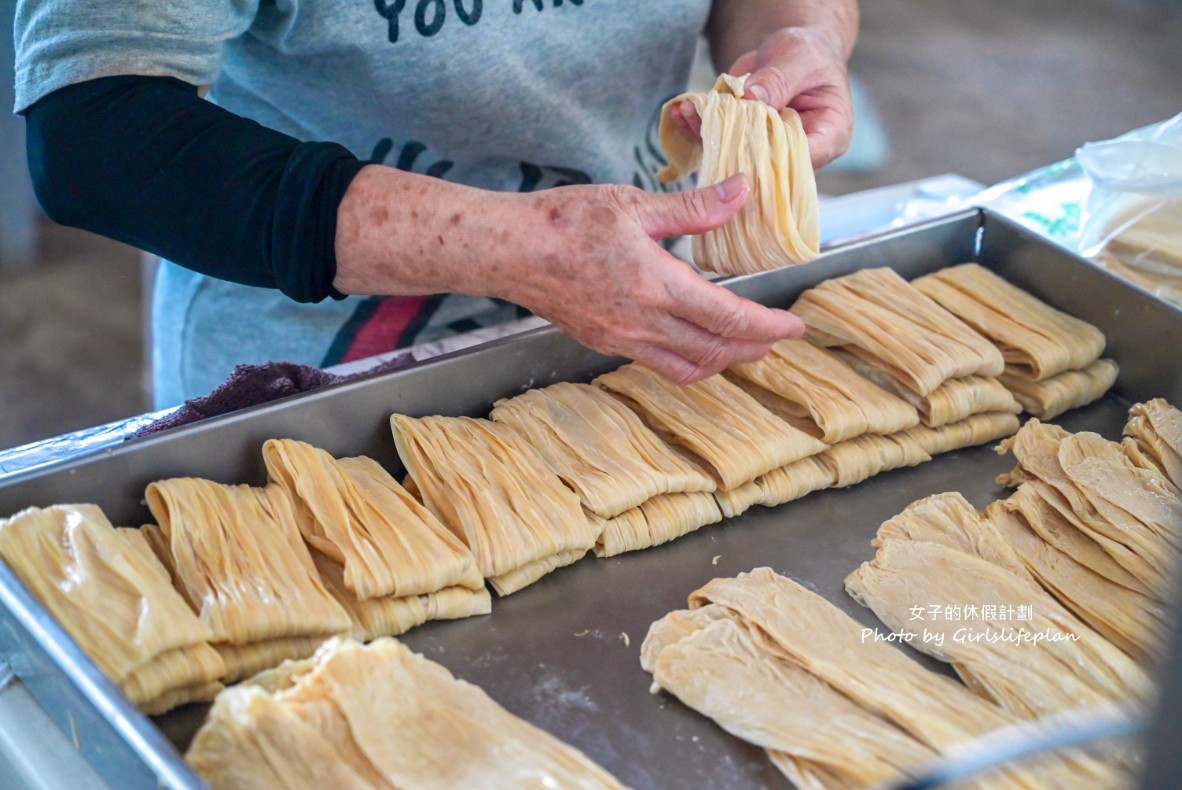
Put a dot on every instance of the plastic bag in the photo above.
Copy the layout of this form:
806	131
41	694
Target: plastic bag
1132	222
1048	201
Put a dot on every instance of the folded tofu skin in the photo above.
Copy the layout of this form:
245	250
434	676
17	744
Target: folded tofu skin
877	316
1037	340
818	386
599	447
786	670
779	223
715	420
495	492
377	717
354	512
241	563
113	596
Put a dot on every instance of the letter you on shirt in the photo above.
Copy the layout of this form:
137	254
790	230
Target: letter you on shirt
427	17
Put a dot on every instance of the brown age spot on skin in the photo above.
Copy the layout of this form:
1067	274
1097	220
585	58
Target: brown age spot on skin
414	214
440	240
555	266
455	219
602	216
378	213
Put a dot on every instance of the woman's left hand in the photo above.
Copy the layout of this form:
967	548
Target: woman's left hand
802	67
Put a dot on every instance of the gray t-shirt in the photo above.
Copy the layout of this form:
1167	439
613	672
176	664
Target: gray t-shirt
502	94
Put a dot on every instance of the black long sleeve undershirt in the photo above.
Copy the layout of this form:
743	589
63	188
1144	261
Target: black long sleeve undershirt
146	161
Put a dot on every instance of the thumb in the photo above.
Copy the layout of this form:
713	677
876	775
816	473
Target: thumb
771	85
694	210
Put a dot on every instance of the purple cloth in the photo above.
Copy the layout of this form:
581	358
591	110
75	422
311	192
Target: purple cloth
250	385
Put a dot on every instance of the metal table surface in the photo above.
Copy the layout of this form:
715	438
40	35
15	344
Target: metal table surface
564	652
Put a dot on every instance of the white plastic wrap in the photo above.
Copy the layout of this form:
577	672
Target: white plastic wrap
1132	221
1049	201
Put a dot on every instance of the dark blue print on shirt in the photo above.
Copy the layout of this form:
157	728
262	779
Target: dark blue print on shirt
535	177
413	156
538	5
427	17
408	157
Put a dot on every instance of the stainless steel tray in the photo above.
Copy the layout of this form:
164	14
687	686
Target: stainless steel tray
564	652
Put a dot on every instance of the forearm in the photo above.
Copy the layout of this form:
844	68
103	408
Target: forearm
403	233
144	160
739	26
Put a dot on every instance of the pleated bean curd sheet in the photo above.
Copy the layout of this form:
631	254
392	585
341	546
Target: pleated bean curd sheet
638	490
356	514
784	669
969	432
382	555
814	390
377	717
779	224
109	591
878	317
239	560
393	615
953	401
1036	340
715	420
1071	389
1131	513
1154	432
1052	359
599	447
494	491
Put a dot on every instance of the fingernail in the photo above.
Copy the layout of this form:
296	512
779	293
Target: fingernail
731	188
759	92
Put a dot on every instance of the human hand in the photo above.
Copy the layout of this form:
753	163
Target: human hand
803	68
591	265
583	257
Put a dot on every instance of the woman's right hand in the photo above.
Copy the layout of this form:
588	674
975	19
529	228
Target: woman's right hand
583	257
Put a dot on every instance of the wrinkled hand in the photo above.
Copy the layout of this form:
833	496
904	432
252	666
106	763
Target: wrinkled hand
596	271
803	69
583	257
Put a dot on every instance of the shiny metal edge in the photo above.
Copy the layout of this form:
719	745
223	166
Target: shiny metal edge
34	755
121	744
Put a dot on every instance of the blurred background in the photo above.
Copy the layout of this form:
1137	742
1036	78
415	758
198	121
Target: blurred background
987	90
